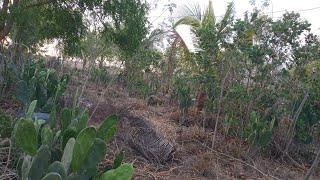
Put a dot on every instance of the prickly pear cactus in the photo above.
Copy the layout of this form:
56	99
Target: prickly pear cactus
25	167
118	160
57	167
67	154
26	136
65	119
71	132
52	118
83	121
52	176
40	163
108	128
123	172
82	146
73	176
31	109
95	155
47	136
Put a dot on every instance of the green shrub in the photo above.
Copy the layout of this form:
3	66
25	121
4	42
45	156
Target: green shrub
6	125
100	75
258	132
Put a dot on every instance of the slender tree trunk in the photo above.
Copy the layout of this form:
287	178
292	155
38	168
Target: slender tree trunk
313	167
219	106
6	26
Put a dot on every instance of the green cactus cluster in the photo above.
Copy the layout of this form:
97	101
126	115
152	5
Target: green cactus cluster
44	85
82	147
258	132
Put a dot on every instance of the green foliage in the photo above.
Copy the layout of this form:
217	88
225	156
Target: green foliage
258	132
118	160
47	136
9	73
40	163
130	24
82	152
95	155
137	86
6	125
84	142
100	75
41	84
106	129
65	119
57	167
68	154
52	176
125	172
231	125
26	136
183	92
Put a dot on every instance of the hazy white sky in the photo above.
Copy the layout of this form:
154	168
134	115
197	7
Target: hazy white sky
308	9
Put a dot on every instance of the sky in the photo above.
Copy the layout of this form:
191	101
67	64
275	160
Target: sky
309	10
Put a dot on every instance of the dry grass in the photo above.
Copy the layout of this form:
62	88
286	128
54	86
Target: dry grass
193	157
6	169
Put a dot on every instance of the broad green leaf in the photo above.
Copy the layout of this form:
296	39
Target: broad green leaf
56	137
52	176
31	109
265	138
57	167
67	154
65	119
95	155
123	172
118	160
83	121
104	131
111	132
23	92
71	132
52	119
26	136
25	167
46	135
84	142
40	163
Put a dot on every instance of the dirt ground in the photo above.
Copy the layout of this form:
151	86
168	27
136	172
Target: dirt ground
194	157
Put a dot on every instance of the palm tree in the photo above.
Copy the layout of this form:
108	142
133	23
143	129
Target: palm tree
209	36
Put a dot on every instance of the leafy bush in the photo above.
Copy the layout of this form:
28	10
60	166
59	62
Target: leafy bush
258	132
41	84
81	148
100	75
6	125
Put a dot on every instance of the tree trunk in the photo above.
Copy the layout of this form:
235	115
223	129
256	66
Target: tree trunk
313	167
6	26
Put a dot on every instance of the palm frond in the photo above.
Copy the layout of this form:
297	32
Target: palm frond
227	17
187	20
193	10
209	17
155	36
